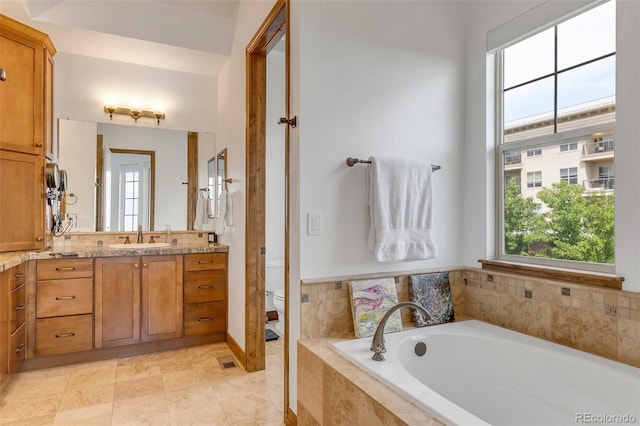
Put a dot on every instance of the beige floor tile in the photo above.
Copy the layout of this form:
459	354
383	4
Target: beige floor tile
90	395
93	373
248	408
141	410
29	407
46	420
194	406
136	388
137	370
94	415
184	379
36	387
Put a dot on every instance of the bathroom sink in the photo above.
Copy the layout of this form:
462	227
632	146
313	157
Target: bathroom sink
134	246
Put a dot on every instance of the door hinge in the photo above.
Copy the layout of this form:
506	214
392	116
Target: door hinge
293	122
263	251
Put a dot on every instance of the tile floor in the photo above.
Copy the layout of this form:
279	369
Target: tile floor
182	387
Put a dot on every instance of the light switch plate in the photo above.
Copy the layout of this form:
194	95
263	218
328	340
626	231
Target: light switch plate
314	224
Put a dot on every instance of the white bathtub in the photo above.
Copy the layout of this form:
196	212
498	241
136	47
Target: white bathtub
477	373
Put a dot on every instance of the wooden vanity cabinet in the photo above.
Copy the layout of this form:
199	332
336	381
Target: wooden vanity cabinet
64	306
138	299
205	293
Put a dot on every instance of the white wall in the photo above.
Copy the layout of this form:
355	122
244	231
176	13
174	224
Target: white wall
80	146
369	90
84	85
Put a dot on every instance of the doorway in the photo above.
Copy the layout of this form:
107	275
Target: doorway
273	29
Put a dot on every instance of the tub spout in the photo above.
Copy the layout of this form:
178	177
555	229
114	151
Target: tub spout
377	343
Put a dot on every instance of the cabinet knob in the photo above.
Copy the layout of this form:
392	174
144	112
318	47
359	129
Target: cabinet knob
145	265
20	275
135	265
39	238
38	145
3	75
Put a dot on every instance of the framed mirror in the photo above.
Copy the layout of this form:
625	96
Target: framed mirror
221	176
211	182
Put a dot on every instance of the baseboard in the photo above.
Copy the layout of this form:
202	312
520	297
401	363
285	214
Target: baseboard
291	418
272	316
238	352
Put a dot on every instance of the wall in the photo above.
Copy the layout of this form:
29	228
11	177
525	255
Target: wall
479	213
84	85
367	91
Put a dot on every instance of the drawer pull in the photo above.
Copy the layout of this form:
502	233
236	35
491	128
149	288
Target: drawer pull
20	275
65	268
205	286
21	348
20	307
205	261
65	297
58	336
204	319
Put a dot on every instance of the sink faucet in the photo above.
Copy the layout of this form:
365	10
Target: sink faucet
377	343
140	239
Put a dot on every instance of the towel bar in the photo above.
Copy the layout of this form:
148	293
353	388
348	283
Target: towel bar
352	161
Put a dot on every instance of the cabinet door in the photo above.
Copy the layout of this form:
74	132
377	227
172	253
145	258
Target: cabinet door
117	301
50	151
22	206
21	94
4	327
161	298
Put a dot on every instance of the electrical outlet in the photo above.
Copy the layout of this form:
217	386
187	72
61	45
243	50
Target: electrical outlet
314	224
72	220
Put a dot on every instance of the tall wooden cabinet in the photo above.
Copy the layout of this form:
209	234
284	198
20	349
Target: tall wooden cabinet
26	133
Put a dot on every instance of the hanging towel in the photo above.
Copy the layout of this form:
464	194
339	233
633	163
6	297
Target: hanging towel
202	207
400	209
225	217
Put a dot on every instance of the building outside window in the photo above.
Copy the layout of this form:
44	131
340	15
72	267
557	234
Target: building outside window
557	98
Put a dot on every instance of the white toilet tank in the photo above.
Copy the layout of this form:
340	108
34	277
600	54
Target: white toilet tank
274	280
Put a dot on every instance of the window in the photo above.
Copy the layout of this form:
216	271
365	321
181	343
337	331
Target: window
131	185
556	94
568	146
569	175
534	179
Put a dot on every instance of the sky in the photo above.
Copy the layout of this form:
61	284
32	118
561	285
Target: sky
585	37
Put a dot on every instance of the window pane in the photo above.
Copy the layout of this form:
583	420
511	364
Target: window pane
587	87
529	59
587	36
528	104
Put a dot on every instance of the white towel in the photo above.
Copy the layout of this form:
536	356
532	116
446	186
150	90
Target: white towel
202	208
225	215
400	210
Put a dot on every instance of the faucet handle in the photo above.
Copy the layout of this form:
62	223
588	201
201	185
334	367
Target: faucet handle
152	239
126	239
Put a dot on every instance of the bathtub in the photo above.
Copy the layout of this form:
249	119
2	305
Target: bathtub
477	373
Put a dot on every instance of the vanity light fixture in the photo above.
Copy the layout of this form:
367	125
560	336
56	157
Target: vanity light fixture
134	113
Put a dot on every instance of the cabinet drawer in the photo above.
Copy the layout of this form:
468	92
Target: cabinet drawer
17	276
204	318
64	335
64	268
17	308
64	297
204	286
17	348
205	261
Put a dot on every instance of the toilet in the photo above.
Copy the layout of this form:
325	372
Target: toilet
274	280
278	303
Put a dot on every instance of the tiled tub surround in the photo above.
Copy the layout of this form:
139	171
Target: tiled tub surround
597	320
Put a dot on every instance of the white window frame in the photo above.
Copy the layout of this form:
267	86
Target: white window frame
569	175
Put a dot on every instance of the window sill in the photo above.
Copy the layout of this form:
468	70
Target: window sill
573	276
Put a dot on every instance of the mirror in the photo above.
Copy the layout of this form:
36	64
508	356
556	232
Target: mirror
78	155
211	182
221	167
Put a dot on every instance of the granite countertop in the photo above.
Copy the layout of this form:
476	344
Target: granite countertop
11	259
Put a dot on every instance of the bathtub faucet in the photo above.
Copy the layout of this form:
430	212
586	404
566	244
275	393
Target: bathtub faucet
377	343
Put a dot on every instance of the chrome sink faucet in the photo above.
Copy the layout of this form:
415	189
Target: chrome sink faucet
140	238
377	343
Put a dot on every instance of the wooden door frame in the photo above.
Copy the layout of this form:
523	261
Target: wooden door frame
274	26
